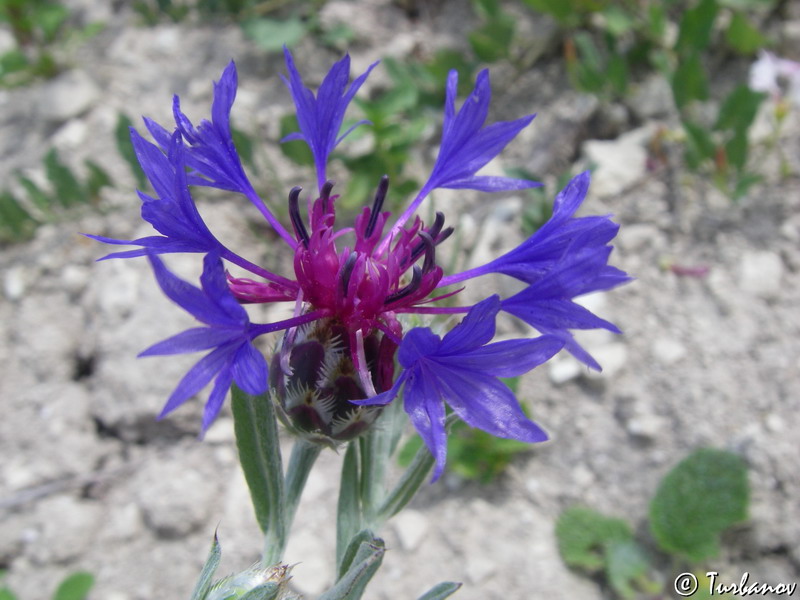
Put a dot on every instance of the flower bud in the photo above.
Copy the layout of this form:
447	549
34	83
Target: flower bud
313	380
239	585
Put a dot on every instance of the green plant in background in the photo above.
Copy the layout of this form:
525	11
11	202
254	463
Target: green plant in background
74	587
697	500
610	45
19	218
38	27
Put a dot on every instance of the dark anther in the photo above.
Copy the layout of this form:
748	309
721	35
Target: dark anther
294	215
325	192
434	229
413	286
444	235
377	204
347	271
430	251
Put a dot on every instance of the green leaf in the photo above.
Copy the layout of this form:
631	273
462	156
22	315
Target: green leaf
296	150
492	41
699	144
617	74
367	560
244	146
689	82
41	200
49	18
271	35
6	594
349	555
743	184
441	591
739	109
558	9
74	587
98	179
348	510
408	485
583	535
694	33
743	36
15	222
626	565
212	562
122	135
260	457
701	497
736	149
66	187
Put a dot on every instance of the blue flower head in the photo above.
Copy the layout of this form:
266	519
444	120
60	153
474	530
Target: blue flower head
351	286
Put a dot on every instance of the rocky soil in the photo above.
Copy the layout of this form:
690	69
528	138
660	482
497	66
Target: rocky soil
89	480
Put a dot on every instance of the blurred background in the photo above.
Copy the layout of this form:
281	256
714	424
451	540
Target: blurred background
686	112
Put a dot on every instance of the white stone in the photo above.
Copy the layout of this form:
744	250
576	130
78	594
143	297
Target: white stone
668	351
646	426
71	135
775	423
411	527
479	568
760	274
68	96
15	282
611	357
621	163
564	368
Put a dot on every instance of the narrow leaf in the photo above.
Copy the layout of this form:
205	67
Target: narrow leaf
352	585
441	591
348	511
304	455
212	562
408	485
260	455
66	187
349	556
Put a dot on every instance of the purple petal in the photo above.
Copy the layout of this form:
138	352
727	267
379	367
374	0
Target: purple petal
425	408
224	96
192	340
487	403
250	370
214	403
476	328
197	378
489	183
186	295
508	358
417	344
215	287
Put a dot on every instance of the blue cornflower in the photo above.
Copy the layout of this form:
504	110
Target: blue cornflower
462	370
351	286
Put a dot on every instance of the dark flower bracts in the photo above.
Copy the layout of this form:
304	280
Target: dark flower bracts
352	288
